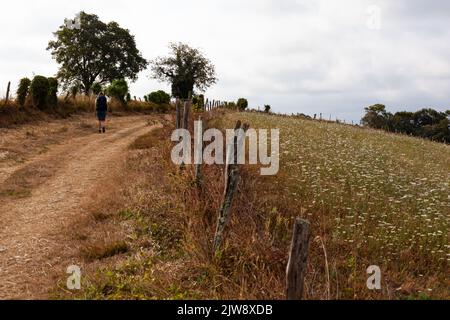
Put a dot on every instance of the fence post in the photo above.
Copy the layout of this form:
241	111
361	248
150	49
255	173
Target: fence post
231	184
298	260
7	92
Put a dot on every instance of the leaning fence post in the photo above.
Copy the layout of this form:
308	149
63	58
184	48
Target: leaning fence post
298	259
7	92
231	184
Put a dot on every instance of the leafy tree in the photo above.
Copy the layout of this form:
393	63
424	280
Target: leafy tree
267	108
428	116
403	122
242	104
159	97
376	117
118	90
22	91
95	52
39	89
185	69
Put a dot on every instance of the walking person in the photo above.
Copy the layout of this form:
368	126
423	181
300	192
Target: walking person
101	108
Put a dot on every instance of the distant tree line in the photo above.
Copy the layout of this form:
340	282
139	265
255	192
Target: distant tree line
426	123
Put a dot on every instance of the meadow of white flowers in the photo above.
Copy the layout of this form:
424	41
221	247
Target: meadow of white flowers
386	196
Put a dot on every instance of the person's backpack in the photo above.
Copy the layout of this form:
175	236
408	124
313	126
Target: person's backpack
102	103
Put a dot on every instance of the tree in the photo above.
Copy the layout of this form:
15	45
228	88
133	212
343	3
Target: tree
376	117
242	104
267	108
185	69
95	52
403	122
428	116
118	90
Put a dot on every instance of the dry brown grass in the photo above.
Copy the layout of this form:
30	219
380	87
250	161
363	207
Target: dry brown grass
12	115
104	250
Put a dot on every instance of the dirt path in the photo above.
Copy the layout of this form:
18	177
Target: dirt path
33	243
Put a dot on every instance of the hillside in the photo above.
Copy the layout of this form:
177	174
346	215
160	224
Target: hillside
372	198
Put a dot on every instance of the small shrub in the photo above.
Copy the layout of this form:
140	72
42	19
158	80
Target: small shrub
23	90
39	91
159	97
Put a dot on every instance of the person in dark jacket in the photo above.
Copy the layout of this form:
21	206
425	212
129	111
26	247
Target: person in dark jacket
101	108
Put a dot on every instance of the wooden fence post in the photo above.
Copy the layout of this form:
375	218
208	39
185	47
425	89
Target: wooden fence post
298	260
7	92
231	184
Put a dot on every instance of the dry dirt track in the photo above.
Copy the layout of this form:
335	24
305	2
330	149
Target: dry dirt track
33	243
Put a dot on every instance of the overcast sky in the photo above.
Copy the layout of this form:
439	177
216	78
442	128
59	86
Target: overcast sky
327	56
